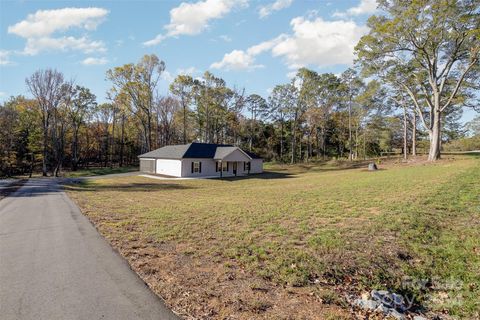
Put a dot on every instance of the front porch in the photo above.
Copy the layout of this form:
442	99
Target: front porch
232	162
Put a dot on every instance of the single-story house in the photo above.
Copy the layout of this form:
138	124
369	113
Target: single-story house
200	160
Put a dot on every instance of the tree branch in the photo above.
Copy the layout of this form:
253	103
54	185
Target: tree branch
417	106
459	82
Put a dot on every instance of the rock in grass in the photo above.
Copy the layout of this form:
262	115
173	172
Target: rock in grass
383	309
366	304
397	315
372	166
382	296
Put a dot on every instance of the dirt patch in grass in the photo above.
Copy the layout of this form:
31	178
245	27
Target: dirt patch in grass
295	245
202	287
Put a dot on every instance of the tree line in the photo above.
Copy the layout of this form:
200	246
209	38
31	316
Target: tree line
416	71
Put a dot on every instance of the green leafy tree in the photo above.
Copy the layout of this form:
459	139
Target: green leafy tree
257	106
47	86
278	103
182	87
434	45
140	82
350	89
79	110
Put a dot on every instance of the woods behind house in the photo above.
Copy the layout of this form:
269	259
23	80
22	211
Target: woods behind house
417	70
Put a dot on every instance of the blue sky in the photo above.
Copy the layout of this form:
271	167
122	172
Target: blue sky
251	44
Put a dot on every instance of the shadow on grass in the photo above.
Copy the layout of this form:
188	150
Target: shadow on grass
266	175
130	187
93	172
288	171
322	166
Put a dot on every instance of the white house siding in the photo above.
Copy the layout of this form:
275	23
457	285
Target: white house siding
208	168
256	166
183	168
169	167
236	155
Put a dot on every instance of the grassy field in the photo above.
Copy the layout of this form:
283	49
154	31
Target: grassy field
297	241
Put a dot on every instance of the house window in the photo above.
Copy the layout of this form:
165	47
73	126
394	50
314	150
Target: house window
221	166
246	166
196	167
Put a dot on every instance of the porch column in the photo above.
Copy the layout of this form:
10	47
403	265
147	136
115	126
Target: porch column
221	169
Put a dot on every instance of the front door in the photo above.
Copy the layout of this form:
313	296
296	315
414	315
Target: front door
235	168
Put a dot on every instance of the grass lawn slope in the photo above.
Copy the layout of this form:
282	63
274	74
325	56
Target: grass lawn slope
293	243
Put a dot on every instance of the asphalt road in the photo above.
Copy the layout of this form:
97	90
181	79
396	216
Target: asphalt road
54	264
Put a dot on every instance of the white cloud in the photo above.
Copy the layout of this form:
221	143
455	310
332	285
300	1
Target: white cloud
187	71
159	38
236	60
244	60
39	29
4	58
319	42
34	45
313	41
291	74
45	22
193	18
267	10
225	38
2	94
91	61
167	76
364	7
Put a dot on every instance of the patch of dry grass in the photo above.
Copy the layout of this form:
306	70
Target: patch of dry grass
292	242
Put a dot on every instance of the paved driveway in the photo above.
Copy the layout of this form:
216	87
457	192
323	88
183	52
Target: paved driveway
54	264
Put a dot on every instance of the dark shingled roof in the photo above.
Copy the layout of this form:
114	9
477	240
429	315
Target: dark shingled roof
167	152
253	155
191	150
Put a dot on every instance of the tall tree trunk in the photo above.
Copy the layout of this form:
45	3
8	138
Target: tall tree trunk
112	140
294	138
45	150
414	133
435	137
281	140
365	144
32	163
184	123
405	133
149	133
122	142
75	149
350	151
251	130
356	142
324	143
106	145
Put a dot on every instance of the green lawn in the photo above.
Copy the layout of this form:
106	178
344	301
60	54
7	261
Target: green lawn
318	231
